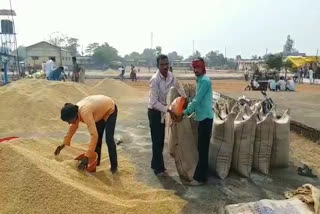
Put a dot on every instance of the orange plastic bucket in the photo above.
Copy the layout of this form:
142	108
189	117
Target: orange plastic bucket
92	165
177	106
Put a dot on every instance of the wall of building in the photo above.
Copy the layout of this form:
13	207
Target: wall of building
39	53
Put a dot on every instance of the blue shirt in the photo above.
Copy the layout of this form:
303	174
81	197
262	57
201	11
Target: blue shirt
273	85
203	101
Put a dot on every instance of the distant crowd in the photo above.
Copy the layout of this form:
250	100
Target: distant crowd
55	73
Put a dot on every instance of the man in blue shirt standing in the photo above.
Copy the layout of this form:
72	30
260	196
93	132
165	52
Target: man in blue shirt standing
202	106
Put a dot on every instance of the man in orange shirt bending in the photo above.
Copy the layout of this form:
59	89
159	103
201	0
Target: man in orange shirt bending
99	112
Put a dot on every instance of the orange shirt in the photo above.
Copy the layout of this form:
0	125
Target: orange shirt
91	110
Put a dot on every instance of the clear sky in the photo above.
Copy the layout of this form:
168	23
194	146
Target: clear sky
245	27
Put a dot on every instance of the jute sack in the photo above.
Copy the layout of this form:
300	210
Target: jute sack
280	147
244	135
183	147
263	143
271	206
221	145
182	140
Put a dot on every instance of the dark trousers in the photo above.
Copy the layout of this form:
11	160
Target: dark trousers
204	135
109	127
157	136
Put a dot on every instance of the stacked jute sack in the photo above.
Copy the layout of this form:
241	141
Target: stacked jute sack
244	137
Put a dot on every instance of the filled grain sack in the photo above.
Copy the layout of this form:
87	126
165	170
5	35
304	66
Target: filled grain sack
263	143
224	111
235	109
244	135
280	147
291	206
183	147
182	140
221	145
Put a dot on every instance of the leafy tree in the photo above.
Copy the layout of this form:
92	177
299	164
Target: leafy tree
64	41
238	57
158	50
173	56
72	46
215	59
254	57
91	47
288	47
274	61
192	57
150	56
105	54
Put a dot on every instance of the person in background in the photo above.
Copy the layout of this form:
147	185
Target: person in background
133	74
290	85
300	75
281	84
50	66
311	75
76	70
82	76
43	66
306	71
57	74
170	69
272	85
202	106
160	84
246	75
99	113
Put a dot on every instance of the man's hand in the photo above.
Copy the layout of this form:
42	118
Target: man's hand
84	163
58	150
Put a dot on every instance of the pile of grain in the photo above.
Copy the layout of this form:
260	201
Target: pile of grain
115	89
33	180
34	105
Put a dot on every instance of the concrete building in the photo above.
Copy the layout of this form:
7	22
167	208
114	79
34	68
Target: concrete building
40	52
251	64
85	61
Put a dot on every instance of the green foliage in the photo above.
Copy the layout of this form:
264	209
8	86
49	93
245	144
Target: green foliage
105	54
215	59
149	55
91	47
64	41
274	61
173	56
288	47
158	50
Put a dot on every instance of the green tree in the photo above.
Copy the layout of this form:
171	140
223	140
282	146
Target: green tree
254	57
194	56
105	54
90	48
238	57
149	55
215	59
173	56
158	50
72	46
274	61
288	47
64	41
